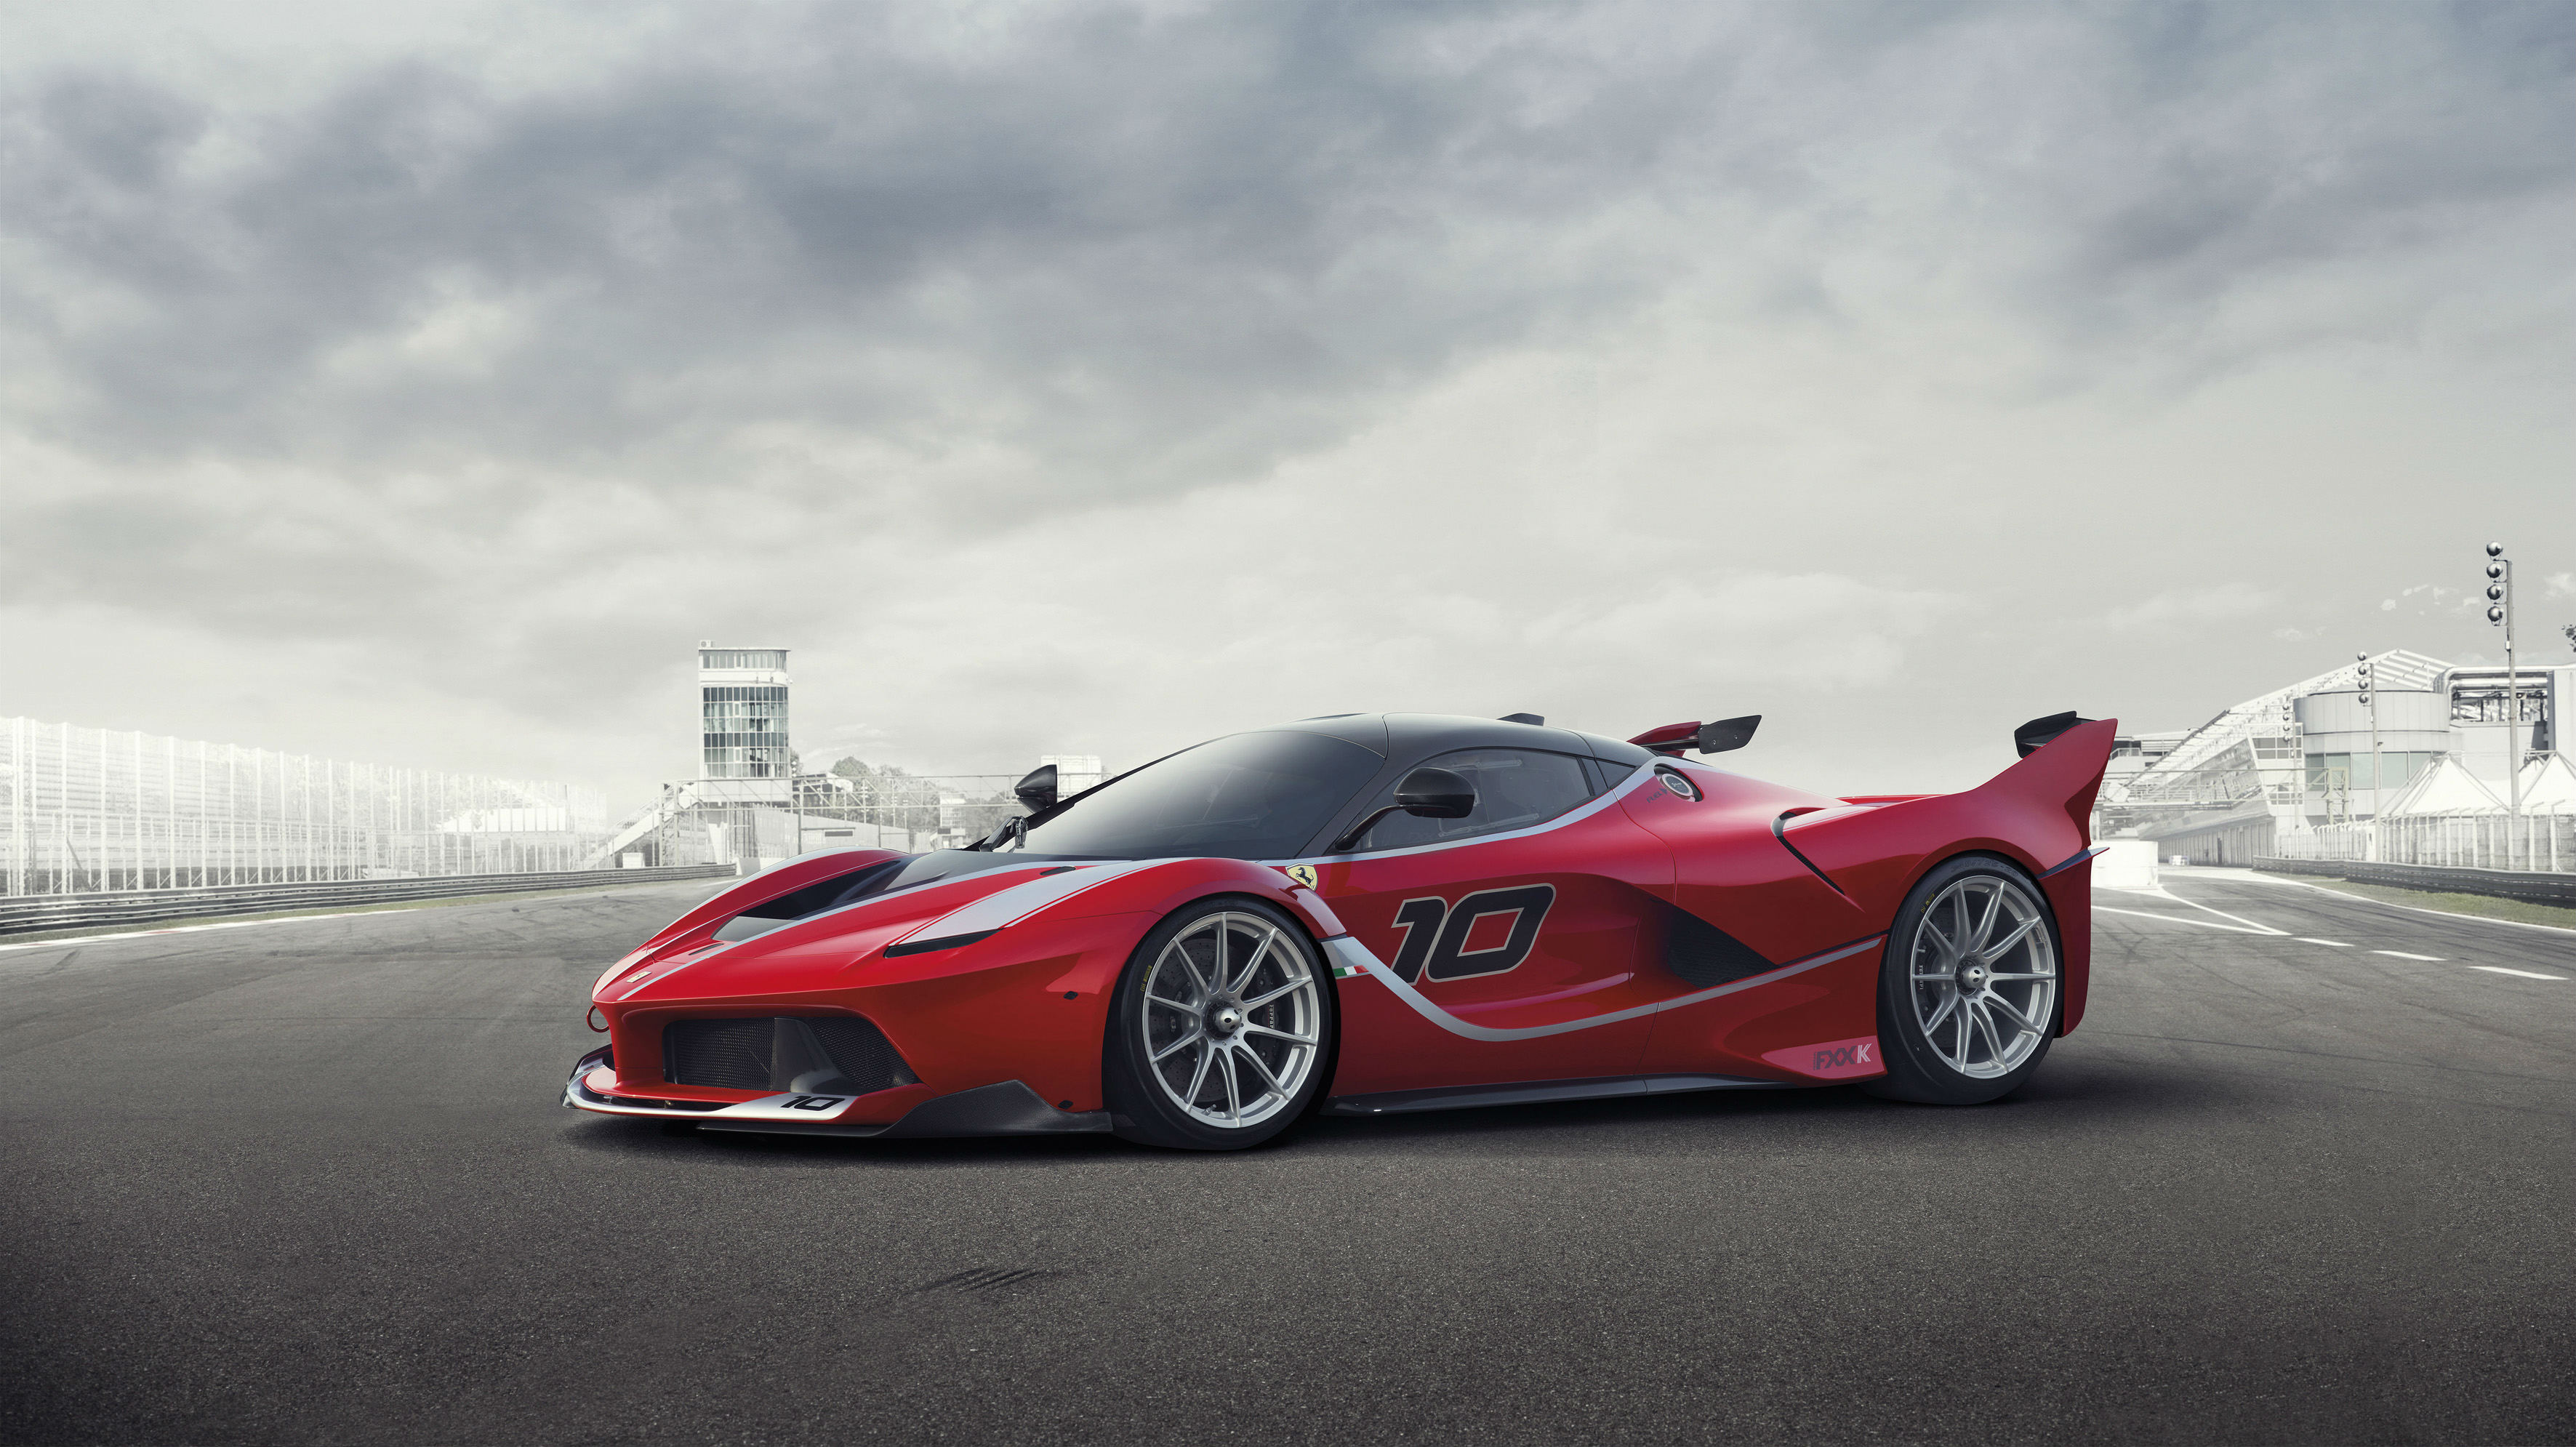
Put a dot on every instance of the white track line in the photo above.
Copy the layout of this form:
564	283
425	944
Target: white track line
2336	944
2402	955
2256	926
2525	974
181	929
2186	919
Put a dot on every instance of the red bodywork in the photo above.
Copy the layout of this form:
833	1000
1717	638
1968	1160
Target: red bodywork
1802	889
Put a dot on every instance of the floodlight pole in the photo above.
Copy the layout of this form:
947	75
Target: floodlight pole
2370	701
2500	594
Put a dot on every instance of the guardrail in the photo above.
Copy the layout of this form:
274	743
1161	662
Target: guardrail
2532	888
38	914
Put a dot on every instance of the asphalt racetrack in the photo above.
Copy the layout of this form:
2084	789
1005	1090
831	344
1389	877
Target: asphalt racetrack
307	1182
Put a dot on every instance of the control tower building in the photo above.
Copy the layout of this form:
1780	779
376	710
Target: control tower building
742	716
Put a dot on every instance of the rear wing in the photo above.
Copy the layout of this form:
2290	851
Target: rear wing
2062	759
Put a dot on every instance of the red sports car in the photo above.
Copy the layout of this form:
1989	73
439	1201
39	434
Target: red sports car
1377	913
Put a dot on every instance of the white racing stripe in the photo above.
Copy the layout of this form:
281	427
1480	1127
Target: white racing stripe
1019	901
2402	955
2523	974
1359	960
2332	944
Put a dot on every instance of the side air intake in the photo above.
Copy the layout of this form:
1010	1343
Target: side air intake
821	1054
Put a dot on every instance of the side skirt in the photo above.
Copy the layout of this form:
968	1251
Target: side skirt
1465	1097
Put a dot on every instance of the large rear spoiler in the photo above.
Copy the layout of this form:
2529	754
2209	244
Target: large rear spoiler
1677	739
2035	735
2062	758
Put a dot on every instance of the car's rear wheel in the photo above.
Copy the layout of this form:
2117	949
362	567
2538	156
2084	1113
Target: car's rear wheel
1968	990
1220	1029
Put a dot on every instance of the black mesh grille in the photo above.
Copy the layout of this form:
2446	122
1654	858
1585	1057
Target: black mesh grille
825	1054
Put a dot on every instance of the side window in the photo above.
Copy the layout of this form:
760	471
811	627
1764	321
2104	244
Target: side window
1608	775
1515	788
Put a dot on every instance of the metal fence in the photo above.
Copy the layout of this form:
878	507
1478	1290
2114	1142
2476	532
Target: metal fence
89	810
129	908
2542	842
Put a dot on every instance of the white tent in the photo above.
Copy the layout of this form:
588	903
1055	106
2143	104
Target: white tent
2446	788
2549	783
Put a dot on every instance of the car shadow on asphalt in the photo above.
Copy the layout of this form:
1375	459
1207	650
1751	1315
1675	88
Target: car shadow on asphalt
2080	1095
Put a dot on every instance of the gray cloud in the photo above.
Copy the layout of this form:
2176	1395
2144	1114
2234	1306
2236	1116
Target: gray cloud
1058	349
1156	251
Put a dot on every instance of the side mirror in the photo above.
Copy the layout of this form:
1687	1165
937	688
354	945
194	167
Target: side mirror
1426	792
1436	794
1038	789
1728	733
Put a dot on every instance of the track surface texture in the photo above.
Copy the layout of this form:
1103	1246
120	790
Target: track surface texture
309	1183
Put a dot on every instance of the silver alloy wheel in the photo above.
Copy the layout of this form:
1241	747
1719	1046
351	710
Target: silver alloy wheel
1233	1021
1984	975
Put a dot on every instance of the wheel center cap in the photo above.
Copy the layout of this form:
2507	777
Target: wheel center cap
1973	977
1228	1020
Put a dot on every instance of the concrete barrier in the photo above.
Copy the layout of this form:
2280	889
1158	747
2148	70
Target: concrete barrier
2126	864
2532	888
39	914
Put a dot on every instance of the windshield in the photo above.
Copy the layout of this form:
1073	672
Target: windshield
1247	796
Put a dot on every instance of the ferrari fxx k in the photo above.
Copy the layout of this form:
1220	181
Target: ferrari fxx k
1369	914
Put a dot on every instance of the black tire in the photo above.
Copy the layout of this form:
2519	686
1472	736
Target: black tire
1145	1096
1948	1070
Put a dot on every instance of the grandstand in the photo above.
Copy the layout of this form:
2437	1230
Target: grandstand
2307	769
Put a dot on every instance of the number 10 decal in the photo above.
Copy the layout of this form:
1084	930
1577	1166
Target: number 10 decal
1435	935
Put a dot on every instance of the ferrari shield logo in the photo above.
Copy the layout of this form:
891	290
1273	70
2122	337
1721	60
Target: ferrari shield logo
1302	873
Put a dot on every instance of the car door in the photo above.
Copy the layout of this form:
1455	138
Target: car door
1512	932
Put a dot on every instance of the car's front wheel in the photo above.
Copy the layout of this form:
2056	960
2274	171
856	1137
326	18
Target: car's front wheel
1968	994
1220	1030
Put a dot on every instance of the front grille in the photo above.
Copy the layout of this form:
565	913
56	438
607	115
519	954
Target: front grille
823	1054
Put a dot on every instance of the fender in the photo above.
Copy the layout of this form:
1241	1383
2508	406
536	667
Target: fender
761	888
1162	888
2036	814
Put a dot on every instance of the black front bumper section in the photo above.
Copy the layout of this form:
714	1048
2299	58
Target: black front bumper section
1004	1109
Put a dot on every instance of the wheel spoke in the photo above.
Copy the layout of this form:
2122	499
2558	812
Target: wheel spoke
1216	966
1192	1038
1252	1057
1962	1018
1181	947
1253	966
1949	1002
1172	1004
2042	975
2020	931
1986	1027
1233	1095
1198	1077
1986	921
1279	1035
1998	1002
1287	989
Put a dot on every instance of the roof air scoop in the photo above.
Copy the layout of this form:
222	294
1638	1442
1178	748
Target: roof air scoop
1534	720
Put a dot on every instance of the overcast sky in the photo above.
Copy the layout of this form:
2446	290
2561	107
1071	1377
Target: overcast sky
420	384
